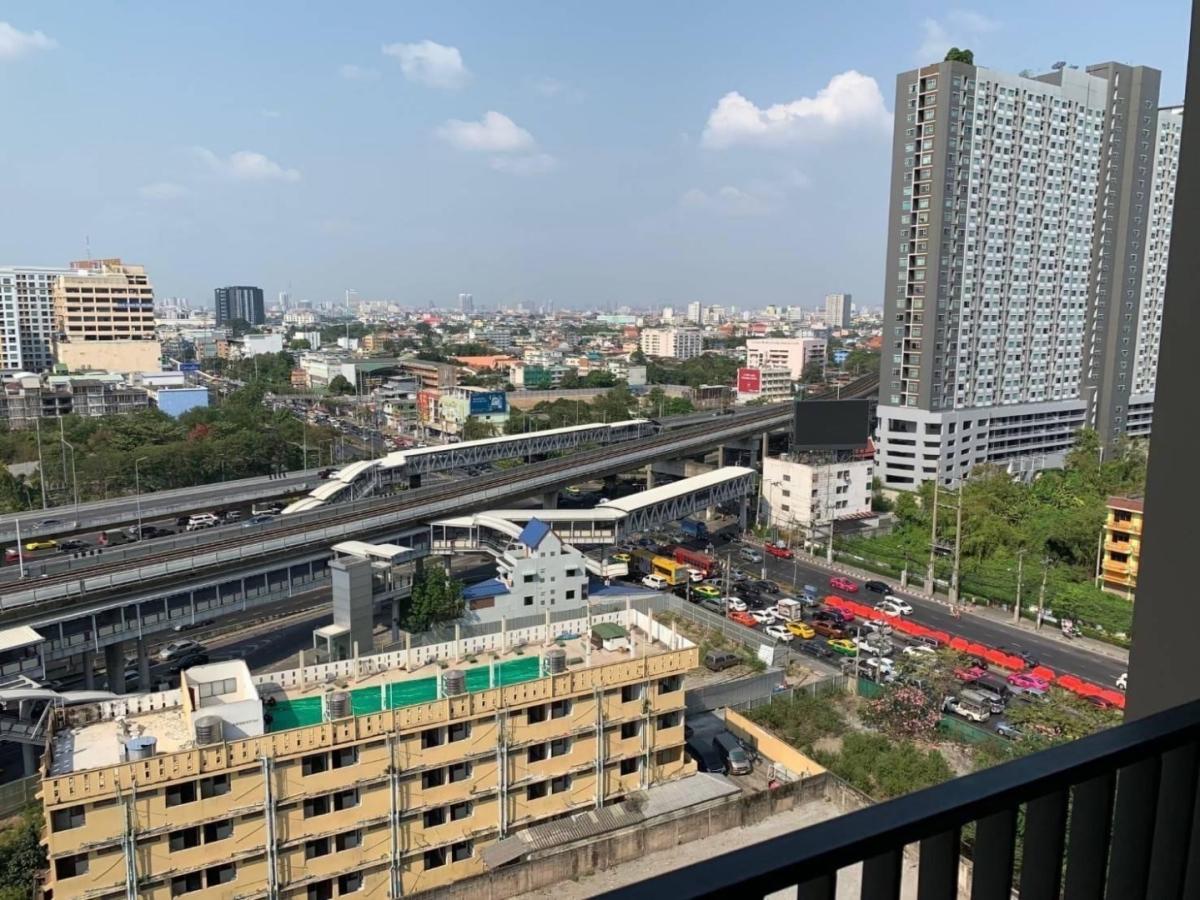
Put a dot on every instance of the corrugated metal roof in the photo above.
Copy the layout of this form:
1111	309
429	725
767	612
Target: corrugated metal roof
658	800
678	489
607	631
533	533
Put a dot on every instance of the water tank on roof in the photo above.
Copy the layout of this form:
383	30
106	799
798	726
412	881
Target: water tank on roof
337	705
556	661
454	681
140	748
209	730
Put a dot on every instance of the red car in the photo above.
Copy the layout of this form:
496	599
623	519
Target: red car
11	555
780	552
838	583
743	618
974	673
845	614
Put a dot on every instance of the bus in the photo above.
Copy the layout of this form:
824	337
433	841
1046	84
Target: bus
646	562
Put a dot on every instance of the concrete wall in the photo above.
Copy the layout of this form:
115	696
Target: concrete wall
110	356
771	747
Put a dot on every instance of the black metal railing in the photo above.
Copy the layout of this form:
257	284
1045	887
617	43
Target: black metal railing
1114	815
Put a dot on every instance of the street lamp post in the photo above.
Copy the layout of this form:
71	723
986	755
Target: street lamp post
74	476
137	487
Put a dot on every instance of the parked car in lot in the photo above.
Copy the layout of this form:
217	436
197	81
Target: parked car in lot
707	759
828	629
733	754
877	587
720	660
779	632
840	583
801	629
1008	731
177	649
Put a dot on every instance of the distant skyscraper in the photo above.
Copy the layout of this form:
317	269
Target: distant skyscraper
695	312
1020	250
285	301
837	310
466	303
668	313
239	302
27	318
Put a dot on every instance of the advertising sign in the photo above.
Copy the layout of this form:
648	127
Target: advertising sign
425	403
189	367
489	402
749	381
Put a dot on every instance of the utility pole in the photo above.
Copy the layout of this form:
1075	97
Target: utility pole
1017	604
1042	592
1099	551
42	469
929	583
957	549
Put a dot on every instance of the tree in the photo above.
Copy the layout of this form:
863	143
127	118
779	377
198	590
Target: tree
21	856
903	711
1065	717
637	357
340	385
813	373
239	327
477	429
436	598
300	344
962	56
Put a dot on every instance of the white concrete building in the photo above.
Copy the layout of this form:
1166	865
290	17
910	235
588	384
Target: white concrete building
536	573
806	492
27	317
675	343
837	310
254	344
793	354
769	383
695	312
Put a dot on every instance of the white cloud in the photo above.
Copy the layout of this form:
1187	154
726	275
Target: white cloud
553	89
351	72
851	100
726	201
958	29
533	164
162	190
15	44
246	165
430	63
494	133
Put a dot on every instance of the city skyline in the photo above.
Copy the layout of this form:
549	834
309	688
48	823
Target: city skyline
511	164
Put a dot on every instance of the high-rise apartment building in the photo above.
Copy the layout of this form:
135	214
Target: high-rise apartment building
466	303
677	343
837	310
104	318
387	775
695	312
1019	215
239	302
27	318
793	354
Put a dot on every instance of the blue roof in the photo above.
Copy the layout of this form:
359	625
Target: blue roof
493	587
533	533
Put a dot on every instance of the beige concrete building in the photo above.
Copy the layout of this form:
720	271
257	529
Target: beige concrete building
385	775
675	343
104	317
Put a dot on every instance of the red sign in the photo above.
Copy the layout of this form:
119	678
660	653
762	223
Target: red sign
425	403
749	381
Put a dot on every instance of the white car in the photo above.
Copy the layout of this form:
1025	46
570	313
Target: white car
902	605
883	629
891	608
1123	681
779	632
656	582
764	616
873	646
176	649
696	576
919	650
735	604
880	667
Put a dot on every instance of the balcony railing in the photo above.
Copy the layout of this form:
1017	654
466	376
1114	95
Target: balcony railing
1112	815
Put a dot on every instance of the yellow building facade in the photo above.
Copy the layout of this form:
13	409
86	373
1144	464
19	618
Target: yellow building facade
1122	544
377	805
104	318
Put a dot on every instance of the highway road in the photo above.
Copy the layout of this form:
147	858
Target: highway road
1053	651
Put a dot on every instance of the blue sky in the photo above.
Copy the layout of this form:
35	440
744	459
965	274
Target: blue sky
626	153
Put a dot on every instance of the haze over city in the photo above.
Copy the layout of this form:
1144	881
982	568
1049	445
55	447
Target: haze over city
617	154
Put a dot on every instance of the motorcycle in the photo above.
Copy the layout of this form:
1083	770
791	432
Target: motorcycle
1070	629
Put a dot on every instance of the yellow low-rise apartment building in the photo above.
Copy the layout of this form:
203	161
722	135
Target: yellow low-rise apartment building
1122	546
376	777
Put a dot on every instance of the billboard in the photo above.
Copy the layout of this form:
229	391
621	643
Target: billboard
426	401
839	356
189	367
488	402
830	424
749	381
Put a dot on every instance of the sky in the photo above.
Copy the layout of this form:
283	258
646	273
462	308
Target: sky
588	155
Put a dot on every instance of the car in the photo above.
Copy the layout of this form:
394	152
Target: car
738	575
843	646
655	582
801	629
779	633
1123	681
839	583
1009	731
257	520
706	590
621	557
919	650
737	604
904	606
827	615
877	587
750	555
706	759
194	658
778	552
766	587
764	616
695	576
12	554
229	515
968	674
1099	702
878	626
879	668
41	544
873	645
888	608
1024	655
743	618
177	649
1025	681
71	545
202	520
844	614
828	629
47	524
188	626
720	660
323	474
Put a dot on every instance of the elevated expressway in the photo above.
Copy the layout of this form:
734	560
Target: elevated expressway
145	588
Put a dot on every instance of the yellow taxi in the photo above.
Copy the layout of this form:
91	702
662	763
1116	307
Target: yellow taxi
41	544
801	630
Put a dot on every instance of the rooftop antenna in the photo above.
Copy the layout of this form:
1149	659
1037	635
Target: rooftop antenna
1059	65
87	247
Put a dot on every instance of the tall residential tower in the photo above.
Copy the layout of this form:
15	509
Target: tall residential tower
1017	238
239	302
837	310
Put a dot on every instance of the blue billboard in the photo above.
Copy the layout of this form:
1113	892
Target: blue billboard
488	403
189	367
839	356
